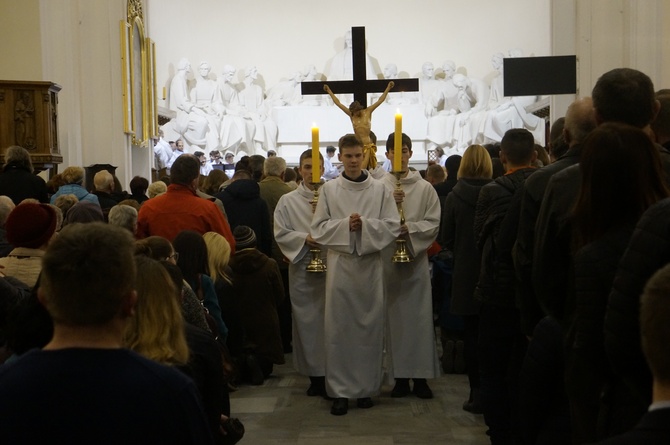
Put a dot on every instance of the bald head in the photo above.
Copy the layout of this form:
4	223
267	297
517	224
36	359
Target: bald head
580	120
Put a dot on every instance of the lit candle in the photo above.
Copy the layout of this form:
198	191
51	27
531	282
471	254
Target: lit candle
397	143
316	171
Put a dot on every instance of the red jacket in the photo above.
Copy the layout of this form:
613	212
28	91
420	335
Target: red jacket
181	209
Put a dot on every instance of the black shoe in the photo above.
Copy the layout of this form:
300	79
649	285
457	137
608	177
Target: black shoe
421	389
401	388
448	357
318	388
340	407
255	371
364	403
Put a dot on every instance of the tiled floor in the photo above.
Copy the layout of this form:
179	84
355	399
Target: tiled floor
279	412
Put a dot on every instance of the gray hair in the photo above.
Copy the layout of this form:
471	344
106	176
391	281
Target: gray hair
18	155
103	181
274	166
6	206
123	216
156	188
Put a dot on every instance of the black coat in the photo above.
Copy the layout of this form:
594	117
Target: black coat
531	200
653	429
497	278
18	183
245	207
458	236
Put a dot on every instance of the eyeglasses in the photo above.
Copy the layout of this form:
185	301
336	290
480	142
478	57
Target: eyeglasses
174	255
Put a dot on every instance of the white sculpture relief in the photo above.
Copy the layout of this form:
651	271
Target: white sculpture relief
252	100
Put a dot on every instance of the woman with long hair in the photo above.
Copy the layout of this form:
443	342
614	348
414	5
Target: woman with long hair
621	176
193	262
160	249
458	236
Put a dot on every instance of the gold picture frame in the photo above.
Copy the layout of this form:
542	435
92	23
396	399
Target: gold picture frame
124	30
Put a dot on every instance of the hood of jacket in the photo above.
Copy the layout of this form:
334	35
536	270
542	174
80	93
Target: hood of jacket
467	189
248	261
245	189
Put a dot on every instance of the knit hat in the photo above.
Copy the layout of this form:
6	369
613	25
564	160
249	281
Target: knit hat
244	237
31	225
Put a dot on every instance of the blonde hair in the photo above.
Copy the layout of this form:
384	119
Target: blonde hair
157	330
476	164
218	252
73	175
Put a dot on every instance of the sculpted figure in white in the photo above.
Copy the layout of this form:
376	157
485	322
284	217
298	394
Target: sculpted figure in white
472	98
309	74
428	87
443	110
252	100
509	112
207	103
341	68
236	131
286	92
189	123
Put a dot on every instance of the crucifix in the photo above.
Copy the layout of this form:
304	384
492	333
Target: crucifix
359	112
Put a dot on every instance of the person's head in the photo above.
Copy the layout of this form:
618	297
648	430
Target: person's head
6	206
351	155
449	68
625	95
251	72
179	145
289	175
215	156
306	164
621	177
156	331
517	148
185	170
73	175
428	70
245	238
84	212
139	185
213	182
460	81
103	181
274	166
390	71
192	258
661	125
84	257
16	155
229	158
123	216
156	188
580	120
406	150
203	69
218	251
201	157
255	165
31	225
65	202
452	165
241	174
497	61
131	203
557	128
330	151
271	153
654	326
158	248
435	174
356	107
347	39
476	163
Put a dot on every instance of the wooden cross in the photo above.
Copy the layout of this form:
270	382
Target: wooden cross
360	86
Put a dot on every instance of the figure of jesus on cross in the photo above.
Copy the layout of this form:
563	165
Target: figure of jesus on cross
358	111
361	120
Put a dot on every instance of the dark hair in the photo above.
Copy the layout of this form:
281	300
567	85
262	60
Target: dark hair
184	170
175	274
493	149
139	185
356	107
307	154
289	175
624	95
661	125
198	153
330	149
556	129
452	165
348	140
373	137
155	247
390	141
256	163
621	177
518	145
654	326
192	256
243	164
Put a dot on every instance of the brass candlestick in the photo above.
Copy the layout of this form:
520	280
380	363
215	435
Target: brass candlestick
401	255
316	264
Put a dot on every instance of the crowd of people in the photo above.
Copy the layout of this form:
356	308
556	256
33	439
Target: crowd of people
545	271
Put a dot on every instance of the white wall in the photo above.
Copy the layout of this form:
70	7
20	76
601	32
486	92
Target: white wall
283	36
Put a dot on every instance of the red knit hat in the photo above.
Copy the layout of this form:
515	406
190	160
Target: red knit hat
30	225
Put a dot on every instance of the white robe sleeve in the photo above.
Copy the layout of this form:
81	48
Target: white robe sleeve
423	219
290	239
378	233
331	232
